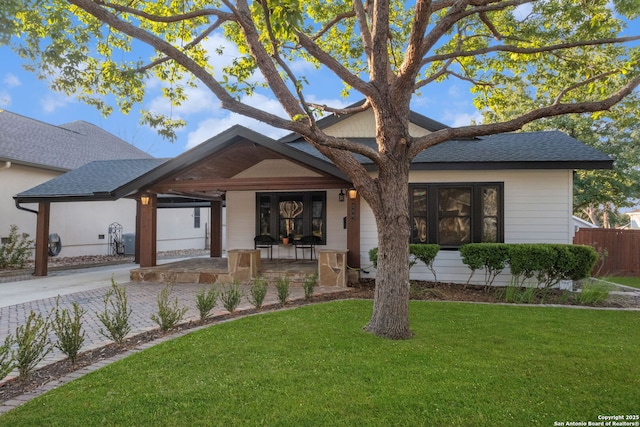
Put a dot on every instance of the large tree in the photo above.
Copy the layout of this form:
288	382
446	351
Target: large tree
385	51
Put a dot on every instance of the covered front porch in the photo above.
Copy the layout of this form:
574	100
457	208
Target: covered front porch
246	265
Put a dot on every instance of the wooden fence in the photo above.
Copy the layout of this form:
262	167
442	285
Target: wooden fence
622	249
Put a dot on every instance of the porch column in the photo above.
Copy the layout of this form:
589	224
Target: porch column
42	239
148	231
215	247
136	258
353	231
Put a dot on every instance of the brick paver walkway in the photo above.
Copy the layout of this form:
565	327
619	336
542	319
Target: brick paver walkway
141	297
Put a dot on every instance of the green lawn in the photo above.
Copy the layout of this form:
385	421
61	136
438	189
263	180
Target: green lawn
634	282
468	364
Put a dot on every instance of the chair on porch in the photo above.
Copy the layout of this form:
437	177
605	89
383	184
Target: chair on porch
307	242
264	241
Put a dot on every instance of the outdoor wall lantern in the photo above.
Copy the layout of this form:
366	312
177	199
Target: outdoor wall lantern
353	193
144	199
341	196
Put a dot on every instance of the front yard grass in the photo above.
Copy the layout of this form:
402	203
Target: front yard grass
468	364
633	282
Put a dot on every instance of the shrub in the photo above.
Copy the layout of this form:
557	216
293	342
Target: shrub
169	312
16	251
7	356
492	257
309	283
423	252
116	319
527	260
68	330
426	254
231	297
282	286
258	292
33	343
205	302
592	293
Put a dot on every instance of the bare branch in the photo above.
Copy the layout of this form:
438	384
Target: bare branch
439	136
342	111
484	18
528	50
583	83
226	16
188	46
228	102
367	41
334	21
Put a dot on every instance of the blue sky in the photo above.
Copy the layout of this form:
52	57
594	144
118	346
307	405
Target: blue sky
22	93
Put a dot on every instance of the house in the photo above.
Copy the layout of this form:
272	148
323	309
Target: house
513	188
33	152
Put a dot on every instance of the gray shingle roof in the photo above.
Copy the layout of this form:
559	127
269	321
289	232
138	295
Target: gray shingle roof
27	141
99	178
540	150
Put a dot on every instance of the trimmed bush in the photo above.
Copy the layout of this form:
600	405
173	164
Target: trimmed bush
16	251
68	330
310	282
492	257
33	343
258	292
230	296
169	312
205	302
7	356
423	252
116	318
282	286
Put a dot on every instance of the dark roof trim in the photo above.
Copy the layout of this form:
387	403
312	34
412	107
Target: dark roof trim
570	165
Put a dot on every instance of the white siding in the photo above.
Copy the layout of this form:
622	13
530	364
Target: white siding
363	125
537	209
80	225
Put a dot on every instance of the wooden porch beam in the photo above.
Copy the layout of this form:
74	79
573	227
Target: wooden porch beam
353	232
290	183
148	231
216	230
42	239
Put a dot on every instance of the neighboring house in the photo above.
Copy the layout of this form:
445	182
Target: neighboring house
33	152
582	223
634	217
513	188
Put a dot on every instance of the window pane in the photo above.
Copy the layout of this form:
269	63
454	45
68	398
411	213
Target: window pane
454	231
419	205
490	201
420	202
454	210
490	230
454	201
291	209
264	213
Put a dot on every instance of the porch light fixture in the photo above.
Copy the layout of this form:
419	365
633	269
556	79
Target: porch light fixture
144	199
341	196
353	193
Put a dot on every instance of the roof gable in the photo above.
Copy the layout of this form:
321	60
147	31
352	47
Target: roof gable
31	142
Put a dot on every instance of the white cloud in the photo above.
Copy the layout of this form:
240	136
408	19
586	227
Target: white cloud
11	80
51	103
5	99
462	119
212	126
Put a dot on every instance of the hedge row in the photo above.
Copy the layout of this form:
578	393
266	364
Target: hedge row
548	263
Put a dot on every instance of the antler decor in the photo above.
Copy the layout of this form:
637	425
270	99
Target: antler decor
290	210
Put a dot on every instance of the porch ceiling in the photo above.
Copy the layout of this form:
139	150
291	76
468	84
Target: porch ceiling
212	176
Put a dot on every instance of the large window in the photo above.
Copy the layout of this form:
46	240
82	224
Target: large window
454	214
291	214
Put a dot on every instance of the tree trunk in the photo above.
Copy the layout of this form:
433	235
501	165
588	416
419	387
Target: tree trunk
390	318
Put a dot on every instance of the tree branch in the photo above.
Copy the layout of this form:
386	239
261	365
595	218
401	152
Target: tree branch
527	50
583	83
512	125
226	16
334	21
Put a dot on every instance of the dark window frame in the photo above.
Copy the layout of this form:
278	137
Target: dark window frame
433	214
196	217
272	199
